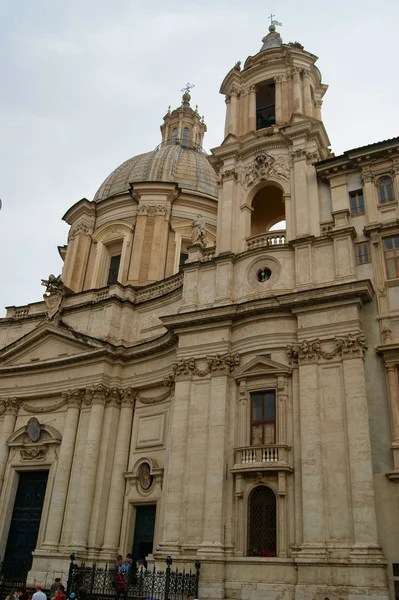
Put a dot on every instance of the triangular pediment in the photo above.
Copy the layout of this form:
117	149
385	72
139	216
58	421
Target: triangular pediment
260	367
48	343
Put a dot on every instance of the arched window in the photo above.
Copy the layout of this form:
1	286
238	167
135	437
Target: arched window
385	190
186	132
174	135
262	522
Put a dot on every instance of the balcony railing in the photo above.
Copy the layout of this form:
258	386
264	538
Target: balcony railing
271	238
273	455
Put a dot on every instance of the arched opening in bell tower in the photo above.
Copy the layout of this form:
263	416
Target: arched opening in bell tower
268	210
265	104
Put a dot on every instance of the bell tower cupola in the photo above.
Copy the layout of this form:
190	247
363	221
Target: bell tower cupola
275	86
273	136
184	126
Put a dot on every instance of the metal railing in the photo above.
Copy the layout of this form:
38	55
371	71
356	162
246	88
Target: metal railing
13	577
103	583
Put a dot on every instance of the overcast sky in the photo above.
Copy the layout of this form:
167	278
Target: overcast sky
85	84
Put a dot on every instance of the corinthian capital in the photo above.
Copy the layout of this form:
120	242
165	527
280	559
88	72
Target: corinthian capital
73	398
128	396
9	406
97	394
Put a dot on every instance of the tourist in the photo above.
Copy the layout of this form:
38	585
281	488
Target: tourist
120	586
72	596
119	562
82	593
55	586
141	570
59	594
39	595
11	595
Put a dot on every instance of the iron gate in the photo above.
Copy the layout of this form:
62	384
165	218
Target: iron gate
101	582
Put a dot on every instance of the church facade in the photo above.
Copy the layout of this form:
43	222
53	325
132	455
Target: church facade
214	376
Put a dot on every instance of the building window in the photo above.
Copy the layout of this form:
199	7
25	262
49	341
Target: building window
385	190
357	203
391	255
174	136
186	132
263	418
182	259
362	253
262	522
114	269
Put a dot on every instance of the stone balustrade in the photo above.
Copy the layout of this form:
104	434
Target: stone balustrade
260	455
268	239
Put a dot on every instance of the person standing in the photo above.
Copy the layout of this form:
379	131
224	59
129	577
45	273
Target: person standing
55	586
39	595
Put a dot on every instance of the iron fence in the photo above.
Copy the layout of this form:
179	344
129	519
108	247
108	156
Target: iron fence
106	583
12	577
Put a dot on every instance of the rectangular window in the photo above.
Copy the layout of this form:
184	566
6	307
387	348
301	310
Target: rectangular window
357	203
114	269
362	253
391	255
263	418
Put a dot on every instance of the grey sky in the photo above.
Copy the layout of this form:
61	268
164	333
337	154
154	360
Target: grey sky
85	84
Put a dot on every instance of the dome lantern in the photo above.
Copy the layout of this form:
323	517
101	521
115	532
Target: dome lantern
183	126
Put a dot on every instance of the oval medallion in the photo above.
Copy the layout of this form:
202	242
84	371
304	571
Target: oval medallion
33	429
145	476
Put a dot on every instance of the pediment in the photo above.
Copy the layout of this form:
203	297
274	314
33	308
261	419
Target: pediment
47	343
261	367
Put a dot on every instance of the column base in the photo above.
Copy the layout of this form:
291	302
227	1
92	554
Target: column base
210	549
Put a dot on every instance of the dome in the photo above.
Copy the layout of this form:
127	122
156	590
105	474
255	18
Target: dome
188	167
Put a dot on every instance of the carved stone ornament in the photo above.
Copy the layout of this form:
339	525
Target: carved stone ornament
33	430
145	478
226	175
82	228
367	175
218	364
54	296
10	406
264	167
351	345
36	453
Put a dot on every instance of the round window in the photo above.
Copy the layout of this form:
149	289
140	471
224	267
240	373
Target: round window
264	274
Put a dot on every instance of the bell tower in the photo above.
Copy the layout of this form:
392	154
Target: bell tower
273	136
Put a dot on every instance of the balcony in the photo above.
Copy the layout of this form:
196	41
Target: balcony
273	457
269	239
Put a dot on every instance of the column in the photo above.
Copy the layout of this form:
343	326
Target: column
174	477
300	192
242	416
11	406
359	450
279	107
118	483
393	396
312	461
317	109
252	108
233	112
307	94
285	116
213	528
62	475
138	243
297	90
98	395
282	515
158	244
240	524
370	195
227	120
109	441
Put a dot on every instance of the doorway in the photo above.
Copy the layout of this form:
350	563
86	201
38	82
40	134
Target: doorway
143	540
26	516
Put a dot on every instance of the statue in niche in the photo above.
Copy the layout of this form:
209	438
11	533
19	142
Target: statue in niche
198	231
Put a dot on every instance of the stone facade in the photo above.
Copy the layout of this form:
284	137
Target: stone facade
145	386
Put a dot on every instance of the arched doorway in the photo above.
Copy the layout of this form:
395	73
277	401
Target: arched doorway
268	209
262	522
